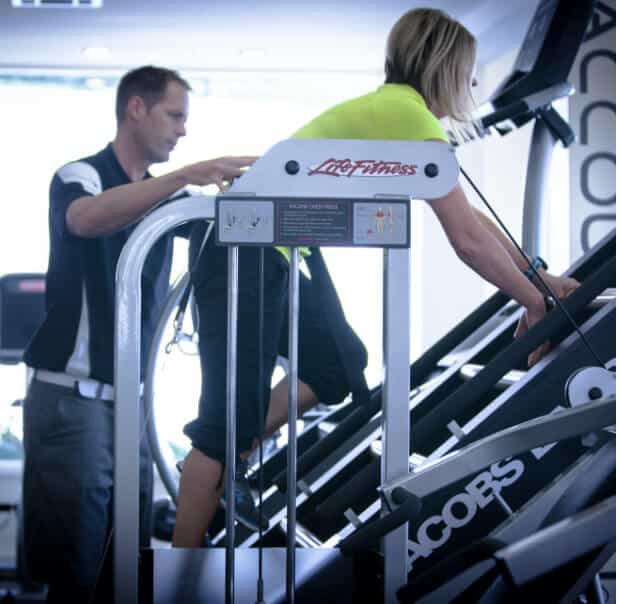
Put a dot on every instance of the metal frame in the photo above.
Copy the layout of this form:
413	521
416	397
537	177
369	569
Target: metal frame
127	384
540	158
439	354
508	408
395	416
450	468
396	348
397	364
233	299
350	447
559	543
293	376
127	355
430	399
523	523
484	422
306	181
356	445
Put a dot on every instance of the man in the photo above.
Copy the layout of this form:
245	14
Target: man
95	203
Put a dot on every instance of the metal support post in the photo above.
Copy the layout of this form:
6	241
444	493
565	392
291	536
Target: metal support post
396	420
293	357
231	363
127	337
538	168
127	438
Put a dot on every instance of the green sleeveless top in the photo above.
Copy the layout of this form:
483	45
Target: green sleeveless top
391	112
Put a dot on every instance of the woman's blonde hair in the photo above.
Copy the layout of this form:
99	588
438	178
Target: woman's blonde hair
434	54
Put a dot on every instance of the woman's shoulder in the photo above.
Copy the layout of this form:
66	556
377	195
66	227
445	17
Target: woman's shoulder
401	99
406	112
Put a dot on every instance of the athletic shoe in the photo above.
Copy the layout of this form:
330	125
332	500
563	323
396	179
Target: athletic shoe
245	510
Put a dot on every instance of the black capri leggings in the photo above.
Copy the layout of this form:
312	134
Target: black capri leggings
319	363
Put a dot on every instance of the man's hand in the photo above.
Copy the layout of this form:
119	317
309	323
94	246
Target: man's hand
560	286
216	171
530	317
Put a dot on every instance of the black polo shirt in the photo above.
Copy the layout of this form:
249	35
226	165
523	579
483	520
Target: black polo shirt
77	336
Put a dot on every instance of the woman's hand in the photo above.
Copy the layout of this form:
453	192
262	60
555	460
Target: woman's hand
530	317
560	286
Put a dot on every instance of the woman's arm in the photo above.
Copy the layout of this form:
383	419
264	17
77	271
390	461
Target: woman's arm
559	285
477	246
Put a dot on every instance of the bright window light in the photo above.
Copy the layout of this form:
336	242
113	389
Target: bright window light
96	53
252	53
57	3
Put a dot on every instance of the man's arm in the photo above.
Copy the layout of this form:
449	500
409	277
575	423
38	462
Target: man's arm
118	207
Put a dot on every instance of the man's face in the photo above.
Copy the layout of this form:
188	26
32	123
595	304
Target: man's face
163	124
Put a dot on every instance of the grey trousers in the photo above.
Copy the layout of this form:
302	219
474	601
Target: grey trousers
68	493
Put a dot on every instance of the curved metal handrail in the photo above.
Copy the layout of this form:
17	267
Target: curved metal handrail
127	355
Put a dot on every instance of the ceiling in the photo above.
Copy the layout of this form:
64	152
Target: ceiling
236	35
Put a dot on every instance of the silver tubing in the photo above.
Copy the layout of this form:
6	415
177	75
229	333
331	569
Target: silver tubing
396	420
127	334
538	168
303	536
470	370
127	438
595	591
293	357
231	362
480	454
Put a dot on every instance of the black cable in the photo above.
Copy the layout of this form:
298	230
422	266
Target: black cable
550	293
193	268
260	585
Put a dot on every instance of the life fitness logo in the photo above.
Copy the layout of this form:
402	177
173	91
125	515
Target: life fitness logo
363	167
461	509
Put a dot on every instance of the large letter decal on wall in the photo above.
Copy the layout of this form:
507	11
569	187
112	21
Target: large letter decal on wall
592	112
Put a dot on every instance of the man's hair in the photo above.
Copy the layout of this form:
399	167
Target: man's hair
434	54
149	83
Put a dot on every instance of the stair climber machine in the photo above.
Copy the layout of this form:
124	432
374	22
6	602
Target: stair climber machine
282	190
538	78
472	384
343	467
172	575
480	390
469	570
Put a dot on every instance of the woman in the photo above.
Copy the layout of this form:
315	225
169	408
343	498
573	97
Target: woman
429	73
